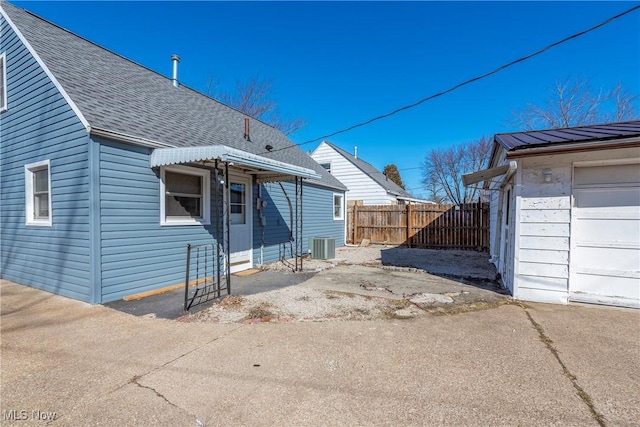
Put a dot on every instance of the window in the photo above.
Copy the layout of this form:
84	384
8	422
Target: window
237	203
3	83
338	206
37	179
326	166
184	196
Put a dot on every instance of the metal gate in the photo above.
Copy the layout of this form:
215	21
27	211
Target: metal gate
203	282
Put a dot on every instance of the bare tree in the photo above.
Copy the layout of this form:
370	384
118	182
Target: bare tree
573	102
442	171
392	173
255	98
625	104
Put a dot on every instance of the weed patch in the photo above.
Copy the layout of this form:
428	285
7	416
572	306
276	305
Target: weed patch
467	308
261	311
231	301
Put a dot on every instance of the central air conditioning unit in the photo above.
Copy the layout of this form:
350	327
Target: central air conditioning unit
322	247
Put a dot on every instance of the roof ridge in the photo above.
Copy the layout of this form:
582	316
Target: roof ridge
350	157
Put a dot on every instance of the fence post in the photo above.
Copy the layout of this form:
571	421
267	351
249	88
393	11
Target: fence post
409	225
355	223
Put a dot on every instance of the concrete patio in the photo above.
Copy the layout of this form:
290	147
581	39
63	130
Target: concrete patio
511	365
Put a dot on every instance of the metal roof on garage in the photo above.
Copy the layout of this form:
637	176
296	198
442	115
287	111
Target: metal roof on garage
541	138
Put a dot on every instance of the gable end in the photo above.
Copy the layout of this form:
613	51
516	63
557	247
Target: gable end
44	67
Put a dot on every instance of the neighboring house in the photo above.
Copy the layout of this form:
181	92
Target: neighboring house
365	184
108	171
565	213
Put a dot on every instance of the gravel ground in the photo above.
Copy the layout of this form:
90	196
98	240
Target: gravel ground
296	304
467	264
299	303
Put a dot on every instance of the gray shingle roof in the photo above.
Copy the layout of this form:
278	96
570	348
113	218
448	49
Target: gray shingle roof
390	186
118	95
541	138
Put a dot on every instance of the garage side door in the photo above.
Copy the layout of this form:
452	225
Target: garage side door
605	234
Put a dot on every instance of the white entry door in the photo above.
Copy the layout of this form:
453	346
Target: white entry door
240	220
605	233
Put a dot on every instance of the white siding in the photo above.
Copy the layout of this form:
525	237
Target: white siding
544	234
545	217
360	185
498	236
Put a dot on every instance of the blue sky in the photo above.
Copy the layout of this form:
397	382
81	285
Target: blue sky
335	64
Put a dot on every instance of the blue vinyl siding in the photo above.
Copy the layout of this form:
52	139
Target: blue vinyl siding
271	242
40	125
138	254
318	215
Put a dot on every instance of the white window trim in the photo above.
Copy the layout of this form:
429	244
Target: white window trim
333	199
206	196
5	106
28	191
326	163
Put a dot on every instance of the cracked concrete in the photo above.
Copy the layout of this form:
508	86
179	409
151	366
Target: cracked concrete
401	283
136	380
96	366
548	342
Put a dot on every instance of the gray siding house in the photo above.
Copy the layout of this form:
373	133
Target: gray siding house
108	171
565	213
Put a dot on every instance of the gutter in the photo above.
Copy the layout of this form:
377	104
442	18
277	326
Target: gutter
122	137
421	201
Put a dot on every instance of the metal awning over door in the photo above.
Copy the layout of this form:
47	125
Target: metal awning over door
264	168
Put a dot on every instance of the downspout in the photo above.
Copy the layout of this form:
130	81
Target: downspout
261	221
290	212
290	224
513	166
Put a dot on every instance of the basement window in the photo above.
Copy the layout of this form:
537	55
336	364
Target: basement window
184	196
37	179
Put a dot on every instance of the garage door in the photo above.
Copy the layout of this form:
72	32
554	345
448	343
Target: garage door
605	235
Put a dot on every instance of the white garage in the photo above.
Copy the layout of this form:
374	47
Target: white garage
565	213
605	249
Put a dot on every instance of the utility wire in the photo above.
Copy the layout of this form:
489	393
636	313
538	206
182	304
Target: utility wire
474	79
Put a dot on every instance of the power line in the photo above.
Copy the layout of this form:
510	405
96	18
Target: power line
472	80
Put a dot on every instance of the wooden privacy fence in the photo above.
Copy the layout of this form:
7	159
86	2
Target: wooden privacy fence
464	227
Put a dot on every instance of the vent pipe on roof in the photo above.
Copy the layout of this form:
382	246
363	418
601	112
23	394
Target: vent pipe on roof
355	151
246	129
175	59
